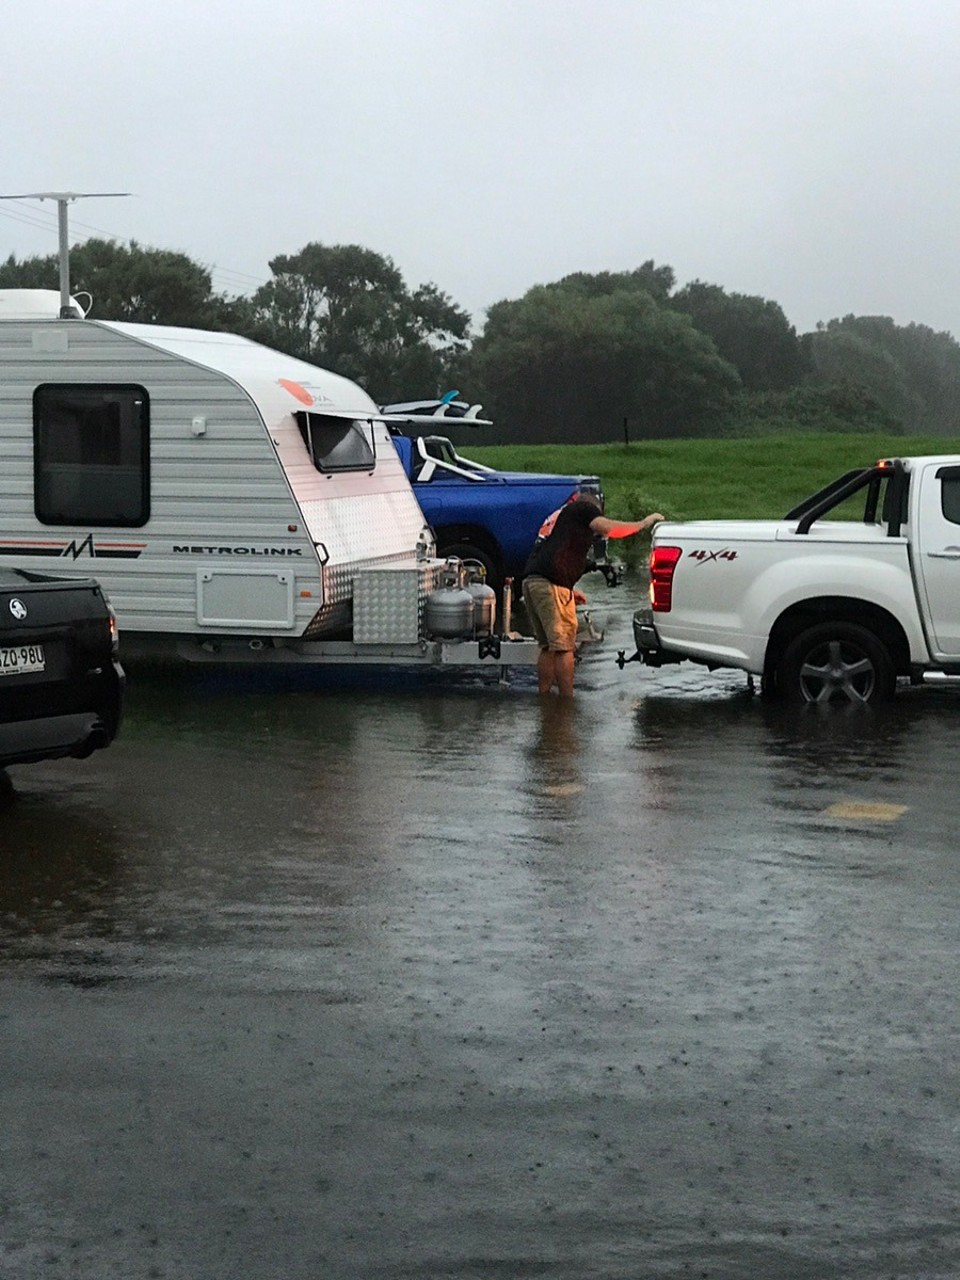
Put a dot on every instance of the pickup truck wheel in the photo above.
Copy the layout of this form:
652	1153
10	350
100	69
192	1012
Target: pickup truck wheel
838	662
465	551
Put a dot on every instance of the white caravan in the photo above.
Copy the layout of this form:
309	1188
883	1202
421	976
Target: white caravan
235	503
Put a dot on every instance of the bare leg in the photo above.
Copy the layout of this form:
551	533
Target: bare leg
546	670
563	665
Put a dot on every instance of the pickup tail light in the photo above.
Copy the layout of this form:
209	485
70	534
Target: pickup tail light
663	562
114	633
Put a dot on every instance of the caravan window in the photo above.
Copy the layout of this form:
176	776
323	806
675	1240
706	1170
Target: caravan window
337	444
91	454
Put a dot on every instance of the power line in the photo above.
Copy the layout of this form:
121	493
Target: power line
26	218
44	221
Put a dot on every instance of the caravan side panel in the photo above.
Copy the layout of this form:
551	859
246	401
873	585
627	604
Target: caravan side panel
357	518
225	547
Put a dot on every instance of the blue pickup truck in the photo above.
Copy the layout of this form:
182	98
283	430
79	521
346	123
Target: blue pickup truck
475	512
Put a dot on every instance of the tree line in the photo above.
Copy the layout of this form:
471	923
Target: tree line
589	358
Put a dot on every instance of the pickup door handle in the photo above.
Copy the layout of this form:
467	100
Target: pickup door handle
948	553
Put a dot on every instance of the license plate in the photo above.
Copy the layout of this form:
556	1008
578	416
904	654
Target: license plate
22	660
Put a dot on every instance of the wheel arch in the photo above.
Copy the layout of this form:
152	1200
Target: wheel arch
450	534
807	613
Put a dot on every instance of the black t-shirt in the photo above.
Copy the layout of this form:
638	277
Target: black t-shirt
561	557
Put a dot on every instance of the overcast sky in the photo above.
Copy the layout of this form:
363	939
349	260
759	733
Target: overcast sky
803	150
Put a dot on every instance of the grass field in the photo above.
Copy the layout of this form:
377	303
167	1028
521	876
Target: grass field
712	479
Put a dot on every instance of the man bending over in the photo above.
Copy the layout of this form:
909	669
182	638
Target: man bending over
555	565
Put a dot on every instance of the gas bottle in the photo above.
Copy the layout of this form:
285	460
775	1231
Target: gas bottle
448	611
484	597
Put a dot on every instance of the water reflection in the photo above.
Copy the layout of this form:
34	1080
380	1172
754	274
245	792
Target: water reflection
60	866
484	956
849	793
808	742
558	750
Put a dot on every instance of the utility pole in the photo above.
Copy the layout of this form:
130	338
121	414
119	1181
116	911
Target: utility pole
63	198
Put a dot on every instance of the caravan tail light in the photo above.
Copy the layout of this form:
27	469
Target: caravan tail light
663	562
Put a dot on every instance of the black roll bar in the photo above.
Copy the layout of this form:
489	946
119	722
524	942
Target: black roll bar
831	495
827	491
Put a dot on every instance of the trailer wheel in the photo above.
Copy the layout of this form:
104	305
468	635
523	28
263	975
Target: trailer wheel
836	662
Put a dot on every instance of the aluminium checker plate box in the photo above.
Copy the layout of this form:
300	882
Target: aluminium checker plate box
388	602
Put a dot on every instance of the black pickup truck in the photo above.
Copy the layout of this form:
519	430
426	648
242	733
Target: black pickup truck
61	683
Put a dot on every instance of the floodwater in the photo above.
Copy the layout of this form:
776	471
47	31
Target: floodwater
406	979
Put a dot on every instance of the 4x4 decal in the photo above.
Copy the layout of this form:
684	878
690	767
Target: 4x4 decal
704	557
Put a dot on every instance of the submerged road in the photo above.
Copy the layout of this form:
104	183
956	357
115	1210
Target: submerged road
440	980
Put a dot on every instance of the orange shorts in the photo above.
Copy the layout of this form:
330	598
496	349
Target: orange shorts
552	612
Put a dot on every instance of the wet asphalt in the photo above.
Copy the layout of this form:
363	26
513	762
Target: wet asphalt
397	978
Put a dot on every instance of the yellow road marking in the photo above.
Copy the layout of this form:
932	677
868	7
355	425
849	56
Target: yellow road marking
866	812
564	789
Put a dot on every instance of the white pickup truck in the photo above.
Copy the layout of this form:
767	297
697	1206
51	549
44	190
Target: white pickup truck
822	608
